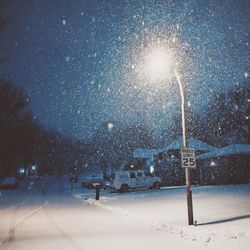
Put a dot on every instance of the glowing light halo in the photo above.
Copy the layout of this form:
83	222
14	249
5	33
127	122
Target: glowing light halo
156	57
158	63
154	64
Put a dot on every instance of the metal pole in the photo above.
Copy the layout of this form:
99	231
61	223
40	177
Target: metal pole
97	191
185	145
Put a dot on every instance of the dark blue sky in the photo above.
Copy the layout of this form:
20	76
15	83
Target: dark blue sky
76	59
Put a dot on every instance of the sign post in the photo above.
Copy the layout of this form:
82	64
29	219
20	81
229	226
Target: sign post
188	162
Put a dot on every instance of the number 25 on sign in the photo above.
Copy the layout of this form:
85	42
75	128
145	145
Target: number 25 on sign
188	158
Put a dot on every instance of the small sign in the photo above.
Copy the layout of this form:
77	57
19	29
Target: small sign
188	158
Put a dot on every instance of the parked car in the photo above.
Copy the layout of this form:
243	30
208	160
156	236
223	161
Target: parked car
126	180
89	181
9	183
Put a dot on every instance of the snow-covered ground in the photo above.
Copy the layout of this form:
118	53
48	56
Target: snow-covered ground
68	217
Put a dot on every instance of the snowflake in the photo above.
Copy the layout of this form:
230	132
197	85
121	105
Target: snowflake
110	126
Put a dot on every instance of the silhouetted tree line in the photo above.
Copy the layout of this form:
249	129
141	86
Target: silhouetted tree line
17	130
225	121
24	141
228	114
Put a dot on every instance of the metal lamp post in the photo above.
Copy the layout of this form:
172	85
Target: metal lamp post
185	145
159	62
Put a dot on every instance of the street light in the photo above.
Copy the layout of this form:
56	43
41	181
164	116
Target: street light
159	63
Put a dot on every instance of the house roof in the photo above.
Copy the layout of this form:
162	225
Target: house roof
192	143
234	149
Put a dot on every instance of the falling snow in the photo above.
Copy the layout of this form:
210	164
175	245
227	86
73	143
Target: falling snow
105	46
102	79
64	22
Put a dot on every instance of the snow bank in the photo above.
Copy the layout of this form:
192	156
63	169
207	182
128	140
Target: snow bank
141	220
222	213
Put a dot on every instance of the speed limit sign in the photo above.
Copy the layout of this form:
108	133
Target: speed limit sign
188	158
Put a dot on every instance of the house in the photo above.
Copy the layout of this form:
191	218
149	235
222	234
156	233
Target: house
147	154
168	162
199	146
227	165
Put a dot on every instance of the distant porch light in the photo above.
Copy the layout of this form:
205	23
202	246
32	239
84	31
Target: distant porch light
152	169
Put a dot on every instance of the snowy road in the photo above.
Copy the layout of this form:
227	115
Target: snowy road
149	219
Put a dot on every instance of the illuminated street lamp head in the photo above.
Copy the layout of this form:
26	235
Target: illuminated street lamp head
158	64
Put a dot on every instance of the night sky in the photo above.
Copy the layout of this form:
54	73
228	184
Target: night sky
79	60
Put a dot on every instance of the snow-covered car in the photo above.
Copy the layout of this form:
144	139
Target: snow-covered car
125	180
89	181
9	183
